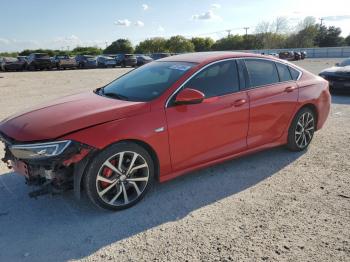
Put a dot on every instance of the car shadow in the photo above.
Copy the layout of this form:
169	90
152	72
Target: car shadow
60	228
342	98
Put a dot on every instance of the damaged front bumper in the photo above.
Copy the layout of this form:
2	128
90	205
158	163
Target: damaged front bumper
48	165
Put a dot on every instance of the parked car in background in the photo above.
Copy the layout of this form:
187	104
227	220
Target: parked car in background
64	61
143	59
86	61
11	63
156	56
124	60
274	54
287	55
303	54
106	61
338	76
23	59
163	120
40	61
297	55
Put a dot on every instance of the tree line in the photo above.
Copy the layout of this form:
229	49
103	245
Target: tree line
267	35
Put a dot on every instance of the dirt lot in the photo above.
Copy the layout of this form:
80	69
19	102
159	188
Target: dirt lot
271	206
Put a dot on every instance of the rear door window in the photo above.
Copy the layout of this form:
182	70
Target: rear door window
283	72
295	73
261	72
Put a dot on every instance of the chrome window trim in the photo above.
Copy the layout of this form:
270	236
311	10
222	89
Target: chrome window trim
235	58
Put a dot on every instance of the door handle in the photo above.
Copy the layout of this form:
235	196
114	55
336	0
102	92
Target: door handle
290	89
239	102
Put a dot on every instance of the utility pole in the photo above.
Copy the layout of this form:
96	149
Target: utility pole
321	19
106	42
246	30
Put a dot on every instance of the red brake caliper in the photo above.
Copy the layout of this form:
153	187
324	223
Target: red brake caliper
107	172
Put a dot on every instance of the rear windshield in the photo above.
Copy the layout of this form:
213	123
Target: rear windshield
129	56
146	82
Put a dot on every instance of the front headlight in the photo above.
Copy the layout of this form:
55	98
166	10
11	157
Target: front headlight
40	150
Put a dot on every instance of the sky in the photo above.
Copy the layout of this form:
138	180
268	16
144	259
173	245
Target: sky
65	24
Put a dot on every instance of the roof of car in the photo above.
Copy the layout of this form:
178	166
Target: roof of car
204	57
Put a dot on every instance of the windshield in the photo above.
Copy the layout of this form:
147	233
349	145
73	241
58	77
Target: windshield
62	57
10	59
146	82
346	62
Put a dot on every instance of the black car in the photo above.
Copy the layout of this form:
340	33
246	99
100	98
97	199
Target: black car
156	56
106	61
290	55
297	55
11	63
64	61
338	76
124	60
86	61
303	54
40	61
143	59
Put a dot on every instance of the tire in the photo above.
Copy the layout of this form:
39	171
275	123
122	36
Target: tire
302	130
118	189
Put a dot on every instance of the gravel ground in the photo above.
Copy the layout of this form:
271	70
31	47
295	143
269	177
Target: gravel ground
271	206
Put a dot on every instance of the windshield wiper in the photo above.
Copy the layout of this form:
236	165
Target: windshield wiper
114	95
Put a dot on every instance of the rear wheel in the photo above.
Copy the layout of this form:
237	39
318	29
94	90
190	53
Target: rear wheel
301	130
119	176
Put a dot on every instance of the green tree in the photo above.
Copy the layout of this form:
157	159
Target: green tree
8	54
304	38
86	51
347	40
119	46
202	43
328	37
179	44
231	42
152	45
252	42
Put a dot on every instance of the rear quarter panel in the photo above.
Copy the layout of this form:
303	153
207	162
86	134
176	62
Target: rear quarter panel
315	90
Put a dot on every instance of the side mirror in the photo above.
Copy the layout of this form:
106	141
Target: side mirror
189	96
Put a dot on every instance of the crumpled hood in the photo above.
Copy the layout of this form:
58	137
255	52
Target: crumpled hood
67	115
337	69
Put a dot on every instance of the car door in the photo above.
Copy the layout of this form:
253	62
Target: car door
214	128
273	96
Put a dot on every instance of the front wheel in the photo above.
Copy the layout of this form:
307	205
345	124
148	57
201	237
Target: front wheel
119	176
301	130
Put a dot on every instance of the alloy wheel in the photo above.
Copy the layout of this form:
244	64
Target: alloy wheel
122	178
304	130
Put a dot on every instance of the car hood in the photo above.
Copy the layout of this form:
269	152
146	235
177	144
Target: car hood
337	69
67	115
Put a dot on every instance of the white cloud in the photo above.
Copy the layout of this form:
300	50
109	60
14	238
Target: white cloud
160	29
145	7
123	22
209	15
139	24
215	6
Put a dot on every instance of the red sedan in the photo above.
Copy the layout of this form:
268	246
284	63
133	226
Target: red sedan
162	120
